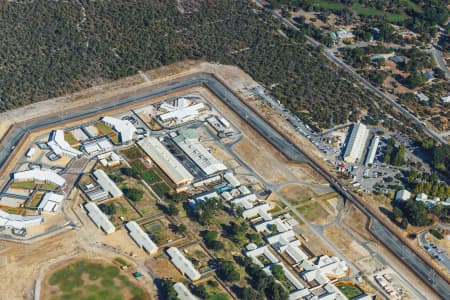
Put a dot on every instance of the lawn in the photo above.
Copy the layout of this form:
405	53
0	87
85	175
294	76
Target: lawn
349	290
37	197
23	185
103	129
396	18
161	188
328	4
312	211
68	137
132	153
160	231
366	11
91	280
123	209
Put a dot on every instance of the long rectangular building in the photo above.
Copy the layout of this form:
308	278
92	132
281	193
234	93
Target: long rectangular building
372	150
188	141
40	175
99	218
183	292
107	184
17	221
183	264
356	143
125	129
166	161
141	238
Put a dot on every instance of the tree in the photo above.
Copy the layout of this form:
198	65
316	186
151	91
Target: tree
211	242
133	194
181	228
404	223
130	172
250	294
172	209
397	212
201	292
109	209
399	157
416	213
278	272
167	290
227	271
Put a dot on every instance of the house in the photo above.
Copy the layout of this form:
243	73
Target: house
445	99
397	59
422	97
402	195
421	197
343	34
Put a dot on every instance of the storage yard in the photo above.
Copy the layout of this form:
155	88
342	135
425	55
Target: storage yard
130	190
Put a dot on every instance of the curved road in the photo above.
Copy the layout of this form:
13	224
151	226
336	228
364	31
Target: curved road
330	55
282	143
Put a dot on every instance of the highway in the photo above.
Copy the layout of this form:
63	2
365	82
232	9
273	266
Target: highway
330	55
276	138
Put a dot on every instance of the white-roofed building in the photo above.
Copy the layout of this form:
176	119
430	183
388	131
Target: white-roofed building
231	179
324	267
244	190
97	146
356	143
188	141
107	184
51	202
372	150
183	292
402	195
264	250
17	221
183	264
246	201
99	218
278	222
30	152
59	146
40	175
141	238
259	210
166	161
287	242
181	113
421	197
125	129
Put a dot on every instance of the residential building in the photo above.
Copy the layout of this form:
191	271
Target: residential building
422	97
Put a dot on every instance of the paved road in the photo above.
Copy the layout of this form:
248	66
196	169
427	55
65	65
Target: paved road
289	150
438	54
330	55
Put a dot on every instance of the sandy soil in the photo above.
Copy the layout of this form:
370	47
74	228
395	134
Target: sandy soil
346	243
